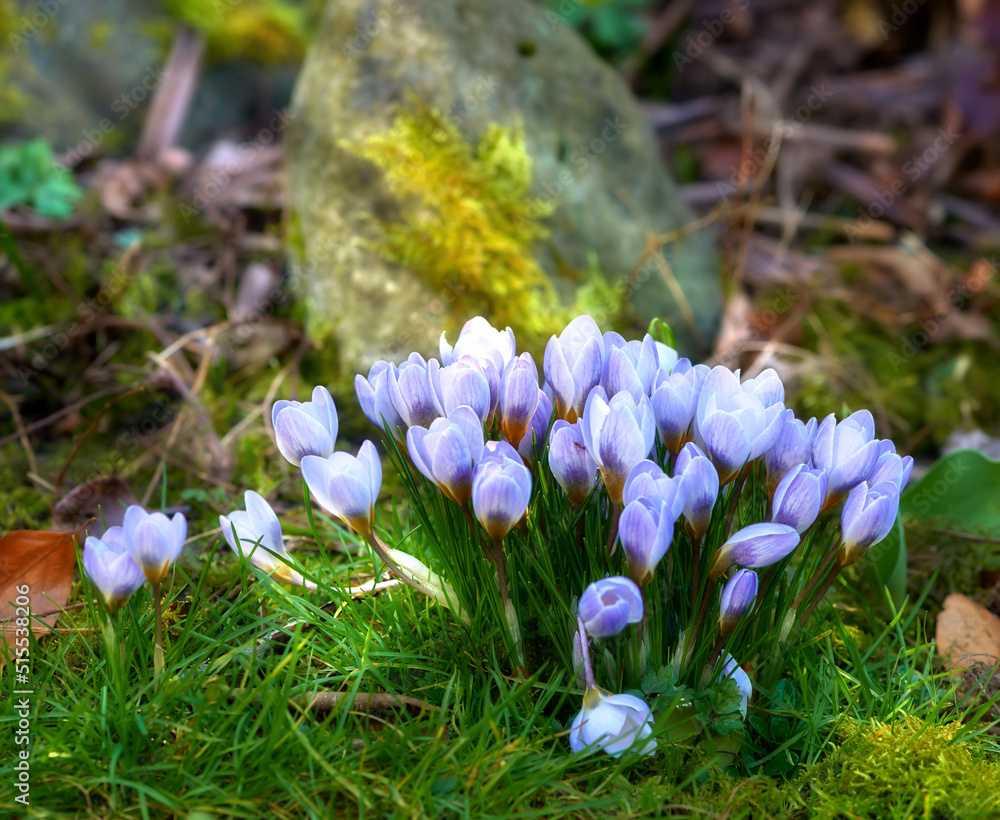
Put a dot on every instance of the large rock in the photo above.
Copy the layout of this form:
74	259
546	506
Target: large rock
478	62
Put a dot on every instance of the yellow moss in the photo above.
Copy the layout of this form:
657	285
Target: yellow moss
469	219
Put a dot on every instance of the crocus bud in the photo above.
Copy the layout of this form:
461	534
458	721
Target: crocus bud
480	340
890	467
734	426
674	400
646	530
305	428
412	392
737	600
518	397
613	723
701	488
111	567
731	669
794	446
847	451
799	497
501	489
570	462
609	605
376	403
537	430
767	387
258	538
572	364
462	383
647	480
154	540
447	451
618	434
756	546
629	366
868	515
347	486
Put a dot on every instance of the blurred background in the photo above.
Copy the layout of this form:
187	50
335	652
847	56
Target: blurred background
207	205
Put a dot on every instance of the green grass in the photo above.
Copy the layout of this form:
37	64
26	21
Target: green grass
223	735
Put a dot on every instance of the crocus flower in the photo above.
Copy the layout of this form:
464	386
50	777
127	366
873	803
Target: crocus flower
373	396
734	426
794	446
258	539
347	486
756	546
480	340
411	390
890	467
305	428
646	530
447	451
501	489
537	430
647	480
799	497
154	540
430	583
737	599
570	462
629	366
111	567
868	515
674	400
847	451
767	387
572	364
618	434
701	488
609	605
461	383
612	723
519	393
731	669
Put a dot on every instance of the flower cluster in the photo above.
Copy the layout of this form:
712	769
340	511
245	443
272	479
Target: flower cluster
665	455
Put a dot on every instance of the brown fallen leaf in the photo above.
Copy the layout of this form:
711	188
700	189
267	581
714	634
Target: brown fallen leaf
968	634
106	497
37	568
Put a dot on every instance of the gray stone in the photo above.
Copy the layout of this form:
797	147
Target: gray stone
479	62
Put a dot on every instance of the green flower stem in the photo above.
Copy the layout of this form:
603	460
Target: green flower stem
734	499
837	567
588	669
158	659
616	514
695	585
817	576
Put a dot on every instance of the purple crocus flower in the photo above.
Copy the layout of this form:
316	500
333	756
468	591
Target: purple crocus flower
646	530
305	428
618	434
609	605
613	723
756	546
111	567
799	497
572	364
258	538
154	540
847	451
480	340
734	426
891	467
411	390
376	403
518	397
731	669
347	486
701	488
501	490
794	446
459	384
629	366
674	400
537	430
767	387
447	451
868	516
570	462
737	599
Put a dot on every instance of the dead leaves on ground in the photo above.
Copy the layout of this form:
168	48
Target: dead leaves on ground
37	566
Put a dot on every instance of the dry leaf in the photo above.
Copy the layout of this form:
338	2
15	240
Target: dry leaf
103	496
38	566
968	634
